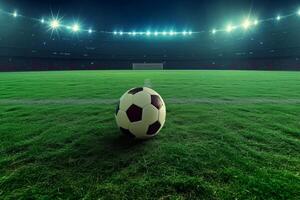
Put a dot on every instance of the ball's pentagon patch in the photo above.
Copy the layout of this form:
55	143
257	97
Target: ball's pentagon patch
139	129
150	91
127	132
141	99
134	113
162	115
150	114
156	101
135	90
153	128
125	101
122	119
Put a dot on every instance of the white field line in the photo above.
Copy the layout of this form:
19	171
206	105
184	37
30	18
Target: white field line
233	101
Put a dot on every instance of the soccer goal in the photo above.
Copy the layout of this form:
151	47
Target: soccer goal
147	66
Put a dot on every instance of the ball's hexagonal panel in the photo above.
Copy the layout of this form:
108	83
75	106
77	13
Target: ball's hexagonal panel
125	101
150	114
150	91
122	120
127	133
162	115
156	101
139	129
134	113
142	99
153	128
135	90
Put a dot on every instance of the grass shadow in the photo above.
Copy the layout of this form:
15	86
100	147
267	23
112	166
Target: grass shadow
123	142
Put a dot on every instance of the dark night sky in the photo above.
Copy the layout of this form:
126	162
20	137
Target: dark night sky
143	14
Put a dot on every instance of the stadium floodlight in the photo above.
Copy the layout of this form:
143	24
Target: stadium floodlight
190	32
121	33
75	27
184	33
171	33
298	12
214	31
278	18
90	31
156	33
229	28
255	22
115	32
246	24
148	33
164	33
133	33
55	24
42	20
15	14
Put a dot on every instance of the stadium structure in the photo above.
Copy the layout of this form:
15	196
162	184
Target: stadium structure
271	45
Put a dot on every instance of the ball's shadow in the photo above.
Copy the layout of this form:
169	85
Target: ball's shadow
125	142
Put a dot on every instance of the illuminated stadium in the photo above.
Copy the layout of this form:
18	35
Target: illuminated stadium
149	99
52	42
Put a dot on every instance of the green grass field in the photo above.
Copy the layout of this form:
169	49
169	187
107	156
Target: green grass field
228	135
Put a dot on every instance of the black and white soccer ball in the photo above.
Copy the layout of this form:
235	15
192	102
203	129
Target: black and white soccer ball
141	113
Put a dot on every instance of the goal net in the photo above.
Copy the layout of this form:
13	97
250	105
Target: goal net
147	66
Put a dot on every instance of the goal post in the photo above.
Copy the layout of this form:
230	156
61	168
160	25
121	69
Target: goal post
147	66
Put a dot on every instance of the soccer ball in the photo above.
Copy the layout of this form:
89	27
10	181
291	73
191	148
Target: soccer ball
141	113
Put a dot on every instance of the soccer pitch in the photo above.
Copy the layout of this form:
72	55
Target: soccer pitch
228	135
